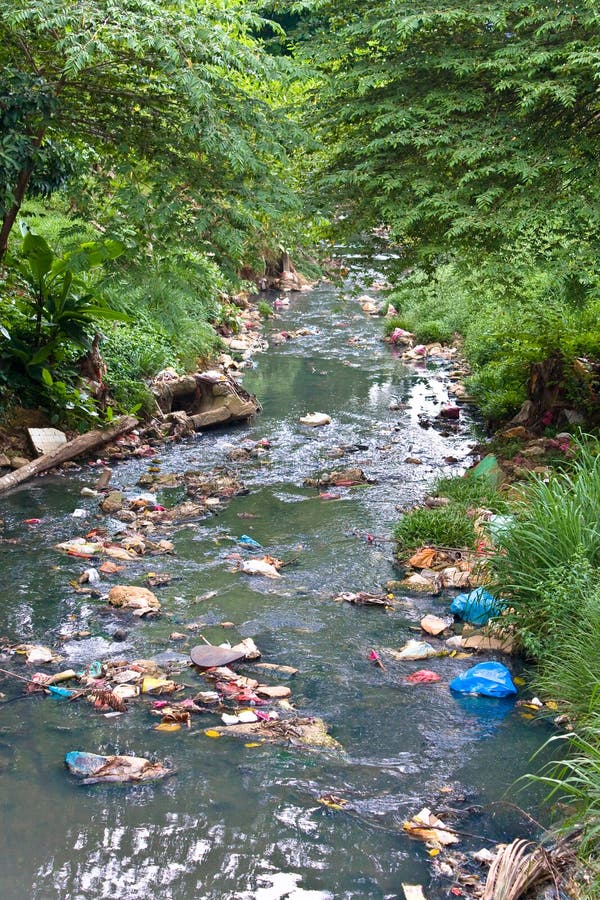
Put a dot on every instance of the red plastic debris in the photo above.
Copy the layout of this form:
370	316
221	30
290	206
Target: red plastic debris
423	676
374	657
450	412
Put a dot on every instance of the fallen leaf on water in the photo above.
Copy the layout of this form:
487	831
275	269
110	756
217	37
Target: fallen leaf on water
427	827
251	745
332	801
168	726
211	733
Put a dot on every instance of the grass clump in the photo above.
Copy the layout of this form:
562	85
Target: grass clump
451	525
445	526
472	491
265	309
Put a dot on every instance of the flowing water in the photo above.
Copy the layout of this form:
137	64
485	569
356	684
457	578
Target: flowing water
237	821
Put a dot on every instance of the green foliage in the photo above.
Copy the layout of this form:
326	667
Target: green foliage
66	403
58	305
63	228
470	132
26	100
444	122
133	353
180	295
555	528
170	113
567	637
510	318
446	526
265	309
473	492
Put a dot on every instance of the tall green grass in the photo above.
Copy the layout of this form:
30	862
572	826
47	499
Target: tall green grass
548	566
556	528
473	491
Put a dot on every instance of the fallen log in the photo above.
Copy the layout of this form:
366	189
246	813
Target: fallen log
81	444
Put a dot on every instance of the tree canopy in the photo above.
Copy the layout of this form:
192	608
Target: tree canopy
460	124
170	102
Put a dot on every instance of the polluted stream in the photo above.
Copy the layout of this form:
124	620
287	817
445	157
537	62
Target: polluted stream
238	821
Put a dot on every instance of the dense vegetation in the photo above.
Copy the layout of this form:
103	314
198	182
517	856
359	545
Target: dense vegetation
545	566
467	134
470	131
155	128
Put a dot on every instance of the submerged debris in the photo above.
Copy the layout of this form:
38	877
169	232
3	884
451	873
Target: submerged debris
519	866
414	650
362	598
316	419
339	478
268	566
139	600
427	827
95	769
304	732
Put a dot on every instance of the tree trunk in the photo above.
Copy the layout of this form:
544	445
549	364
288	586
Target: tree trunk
10	216
73	448
20	188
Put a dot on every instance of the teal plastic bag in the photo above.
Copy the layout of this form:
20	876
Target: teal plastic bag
476	607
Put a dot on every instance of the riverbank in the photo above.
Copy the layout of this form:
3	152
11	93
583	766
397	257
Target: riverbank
523	521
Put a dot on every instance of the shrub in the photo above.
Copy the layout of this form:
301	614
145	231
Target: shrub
431	332
512	314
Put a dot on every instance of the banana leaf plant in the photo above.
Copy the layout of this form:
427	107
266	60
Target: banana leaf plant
61	301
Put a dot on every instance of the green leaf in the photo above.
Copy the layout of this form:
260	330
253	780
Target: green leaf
47	378
38	254
42	354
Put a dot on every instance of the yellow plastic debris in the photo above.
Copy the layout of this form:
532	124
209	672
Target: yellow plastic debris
157	685
212	733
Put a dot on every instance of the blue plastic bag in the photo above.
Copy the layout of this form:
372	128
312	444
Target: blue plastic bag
488	679
83	764
248	541
476	607
60	692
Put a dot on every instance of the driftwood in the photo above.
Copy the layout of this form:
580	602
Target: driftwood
76	447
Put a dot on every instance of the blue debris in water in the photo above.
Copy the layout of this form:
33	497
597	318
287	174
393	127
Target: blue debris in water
84	764
248	541
60	693
488	679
